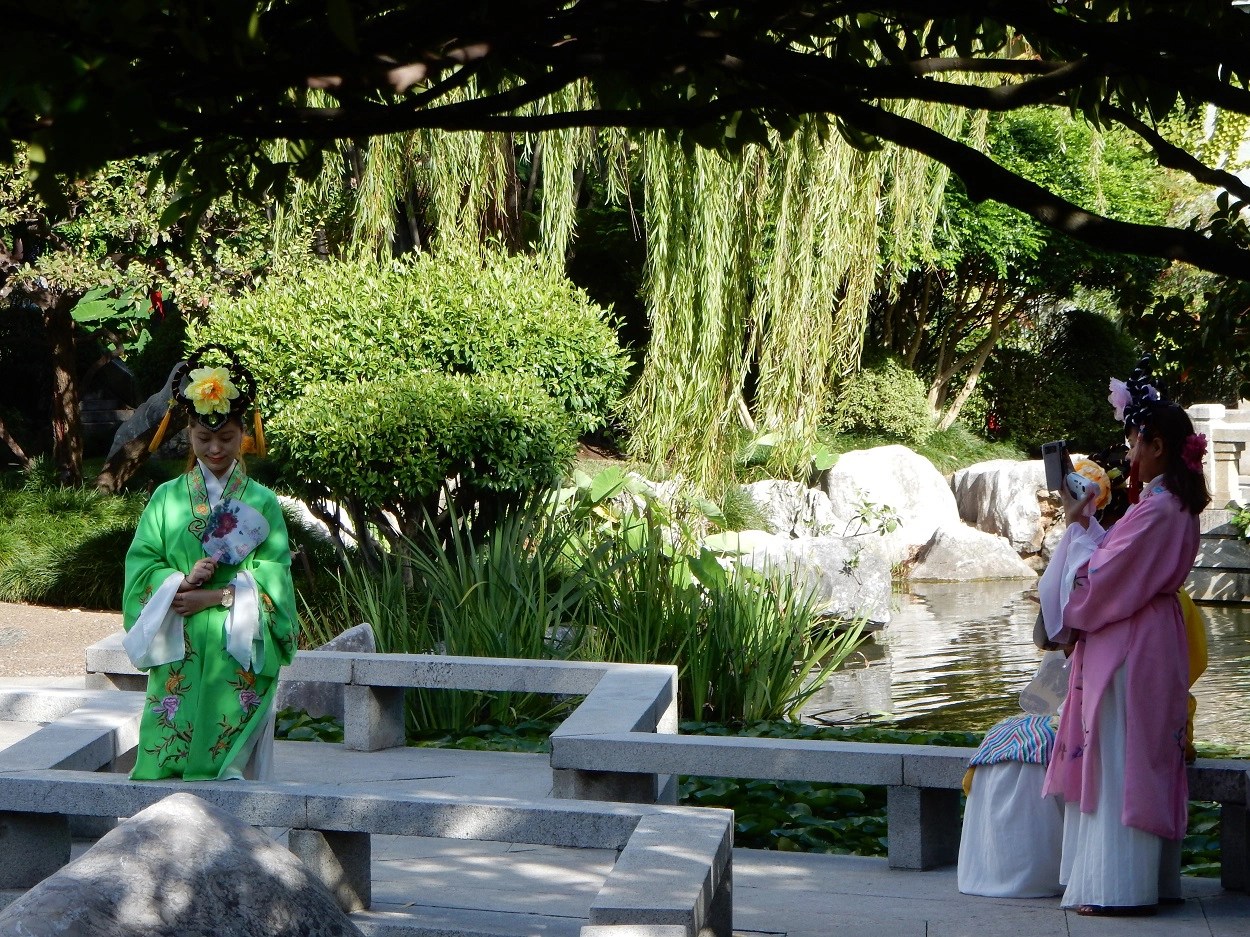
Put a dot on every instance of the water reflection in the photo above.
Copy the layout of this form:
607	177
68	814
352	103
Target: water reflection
956	655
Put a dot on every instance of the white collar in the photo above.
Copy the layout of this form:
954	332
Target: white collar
213	485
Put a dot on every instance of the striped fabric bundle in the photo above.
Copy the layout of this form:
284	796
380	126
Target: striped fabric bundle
1026	738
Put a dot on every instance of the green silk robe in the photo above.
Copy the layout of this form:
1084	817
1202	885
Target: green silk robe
203	710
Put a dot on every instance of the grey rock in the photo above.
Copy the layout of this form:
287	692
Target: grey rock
326	699
896	477
1000	497
1050	541
958	553
180	867
779	501
849	576
793	509
817	517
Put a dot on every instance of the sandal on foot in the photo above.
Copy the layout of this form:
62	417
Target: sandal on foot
1131	910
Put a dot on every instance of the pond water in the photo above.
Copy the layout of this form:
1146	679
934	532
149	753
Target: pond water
957	655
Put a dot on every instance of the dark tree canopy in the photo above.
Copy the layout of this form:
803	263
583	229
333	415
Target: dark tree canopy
207	84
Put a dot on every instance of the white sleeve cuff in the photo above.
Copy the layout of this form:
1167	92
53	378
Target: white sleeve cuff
156	637
245	638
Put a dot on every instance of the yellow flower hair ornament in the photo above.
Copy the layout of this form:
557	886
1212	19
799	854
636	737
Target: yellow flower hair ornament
211	391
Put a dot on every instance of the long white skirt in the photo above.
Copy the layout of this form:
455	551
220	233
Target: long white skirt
1105	862
1013	836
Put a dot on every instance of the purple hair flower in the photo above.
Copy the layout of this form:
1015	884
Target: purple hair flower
168	707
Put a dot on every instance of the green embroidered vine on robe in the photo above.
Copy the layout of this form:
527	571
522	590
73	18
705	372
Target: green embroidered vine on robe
202	711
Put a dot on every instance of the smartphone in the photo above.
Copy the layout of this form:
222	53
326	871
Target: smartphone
1057	461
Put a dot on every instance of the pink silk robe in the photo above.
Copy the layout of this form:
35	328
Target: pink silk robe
1127	614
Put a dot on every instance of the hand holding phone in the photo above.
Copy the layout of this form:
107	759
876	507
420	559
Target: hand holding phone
1058	463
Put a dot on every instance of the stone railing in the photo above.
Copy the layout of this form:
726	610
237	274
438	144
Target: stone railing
673	874
1227	433
923	783
621	744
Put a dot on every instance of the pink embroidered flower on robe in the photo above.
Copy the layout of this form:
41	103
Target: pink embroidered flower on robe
168	707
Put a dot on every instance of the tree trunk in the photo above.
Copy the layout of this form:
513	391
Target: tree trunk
66	429
22	458
983	354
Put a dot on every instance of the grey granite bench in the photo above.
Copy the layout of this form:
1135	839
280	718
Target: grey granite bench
621	744
674	867
619	698
923	783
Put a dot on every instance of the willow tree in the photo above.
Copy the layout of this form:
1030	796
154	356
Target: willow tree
758	261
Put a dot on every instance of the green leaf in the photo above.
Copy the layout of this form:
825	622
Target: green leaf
93	311
339	13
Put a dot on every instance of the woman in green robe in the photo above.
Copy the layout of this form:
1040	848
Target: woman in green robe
211	633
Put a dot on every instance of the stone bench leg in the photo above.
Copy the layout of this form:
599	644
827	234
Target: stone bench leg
924	826
720	916
373	717
32	847
616	786
340	861
1235	847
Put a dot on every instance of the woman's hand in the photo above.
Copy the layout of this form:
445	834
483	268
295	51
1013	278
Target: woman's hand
1074	511
188	603
200	573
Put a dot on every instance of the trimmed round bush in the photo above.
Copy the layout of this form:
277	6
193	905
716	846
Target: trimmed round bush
389	445
887	399
460	313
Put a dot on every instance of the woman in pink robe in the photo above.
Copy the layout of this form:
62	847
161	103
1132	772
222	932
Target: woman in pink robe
1119	759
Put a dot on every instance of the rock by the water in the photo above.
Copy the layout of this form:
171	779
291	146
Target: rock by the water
958	553
780	502
1000	497
793	509
180	868
326	699
1054	534
848	576
901	479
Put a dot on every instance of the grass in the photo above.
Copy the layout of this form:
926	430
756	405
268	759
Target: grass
63	546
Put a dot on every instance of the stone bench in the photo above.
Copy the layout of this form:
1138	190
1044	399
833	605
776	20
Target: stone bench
619	698
923	783
621	744
674	868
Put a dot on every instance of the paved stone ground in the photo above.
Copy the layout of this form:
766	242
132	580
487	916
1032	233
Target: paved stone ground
37	641
452	886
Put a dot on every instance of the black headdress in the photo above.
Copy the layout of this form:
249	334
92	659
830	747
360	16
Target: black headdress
213	394
1136	396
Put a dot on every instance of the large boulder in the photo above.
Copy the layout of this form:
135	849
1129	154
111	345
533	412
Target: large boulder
1010	498
180	868
794	510
1002	497
958	553
849	576
326	699
897	478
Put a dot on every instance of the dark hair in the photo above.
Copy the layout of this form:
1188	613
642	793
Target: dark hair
1170	422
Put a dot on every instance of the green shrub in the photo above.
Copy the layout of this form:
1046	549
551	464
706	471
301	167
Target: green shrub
1059	391
387	446
457	313
886	399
